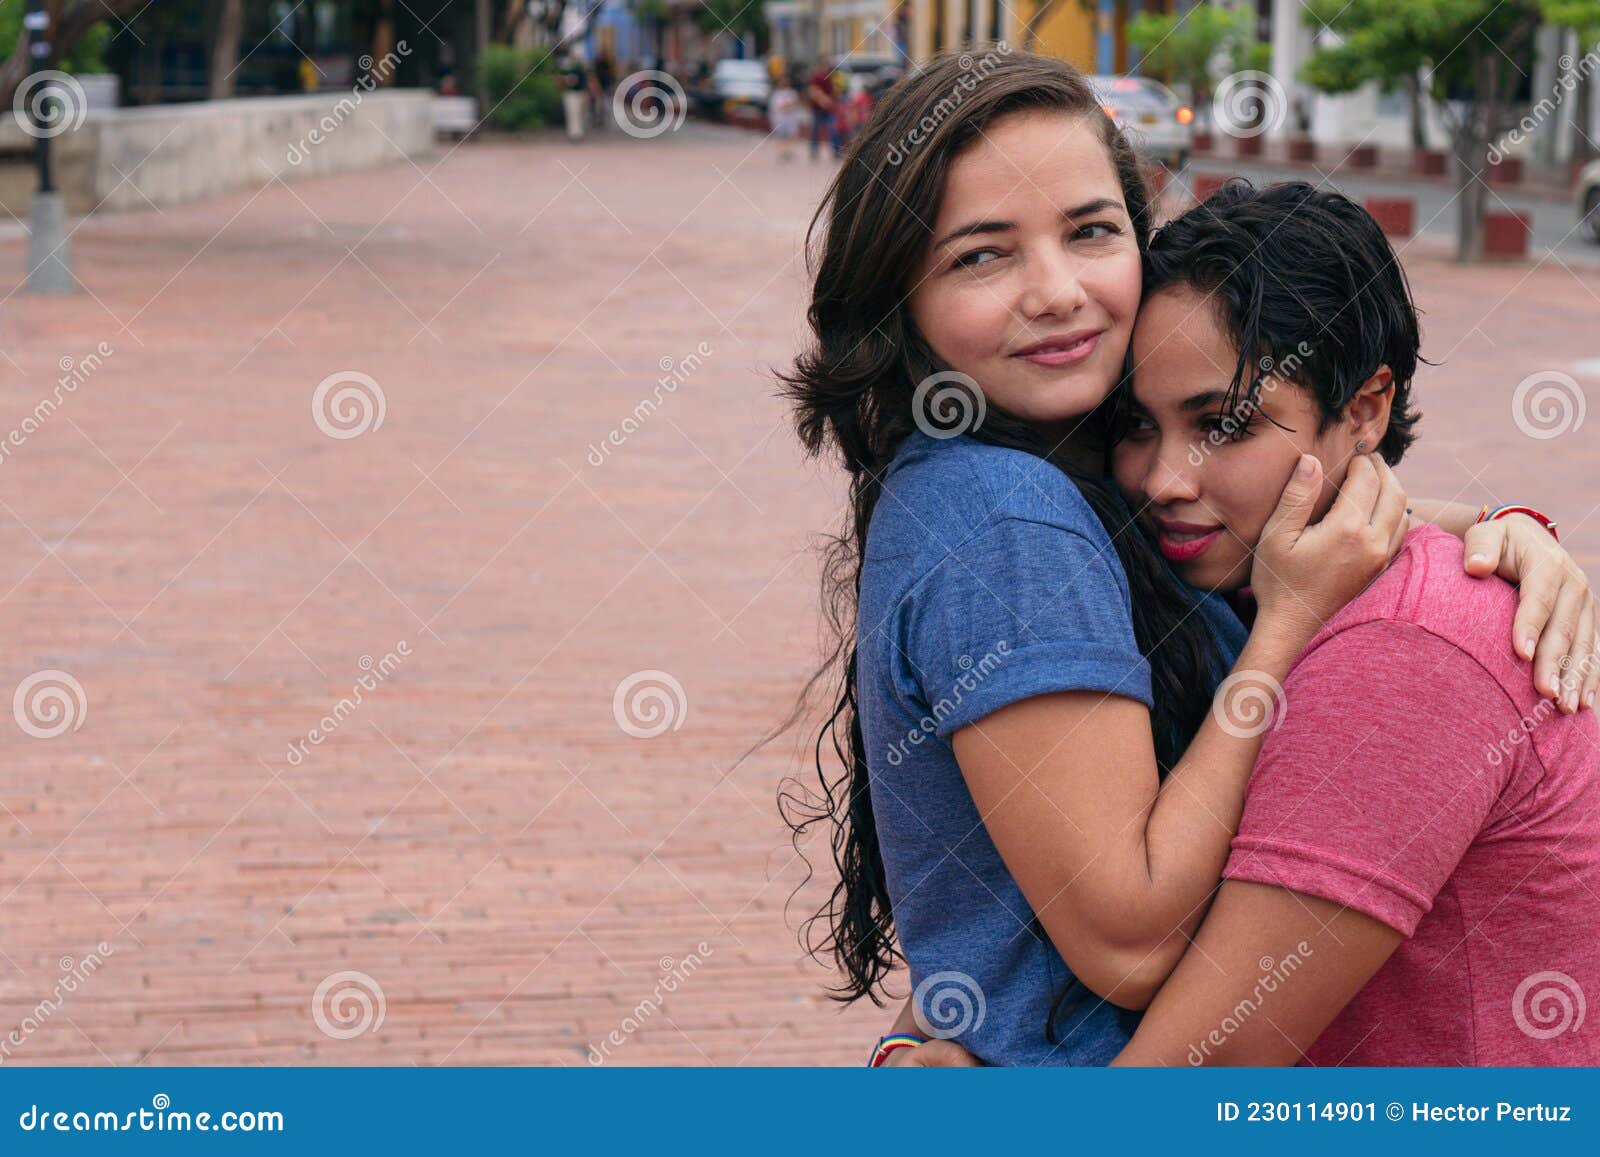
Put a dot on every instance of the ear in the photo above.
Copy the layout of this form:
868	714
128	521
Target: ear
1367	415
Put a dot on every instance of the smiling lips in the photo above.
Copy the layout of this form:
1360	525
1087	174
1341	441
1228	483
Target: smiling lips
1061	351
1183	541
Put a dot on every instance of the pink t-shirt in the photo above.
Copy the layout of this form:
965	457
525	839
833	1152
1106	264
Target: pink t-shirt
1417	777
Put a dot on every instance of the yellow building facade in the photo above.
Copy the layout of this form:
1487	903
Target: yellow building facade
1070	29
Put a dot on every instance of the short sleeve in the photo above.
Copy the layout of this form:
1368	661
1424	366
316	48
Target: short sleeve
1379	776
1021	608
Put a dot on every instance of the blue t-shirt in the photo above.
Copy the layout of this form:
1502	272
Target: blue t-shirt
987	580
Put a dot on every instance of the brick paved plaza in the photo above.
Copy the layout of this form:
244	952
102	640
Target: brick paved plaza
379	432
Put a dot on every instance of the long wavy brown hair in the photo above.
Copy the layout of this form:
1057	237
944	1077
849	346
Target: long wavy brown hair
852	393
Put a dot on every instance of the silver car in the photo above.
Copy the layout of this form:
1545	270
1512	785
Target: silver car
1157	123
1588	203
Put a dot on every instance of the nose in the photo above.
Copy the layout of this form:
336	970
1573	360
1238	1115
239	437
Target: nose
1052	286
1174	475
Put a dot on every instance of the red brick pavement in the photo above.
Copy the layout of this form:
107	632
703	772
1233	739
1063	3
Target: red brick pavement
478	836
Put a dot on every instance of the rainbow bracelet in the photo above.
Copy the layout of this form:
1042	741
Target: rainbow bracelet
1544	520
887	1045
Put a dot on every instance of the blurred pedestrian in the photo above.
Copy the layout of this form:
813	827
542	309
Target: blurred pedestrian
856	107
574	96
784	112
604	80
823	101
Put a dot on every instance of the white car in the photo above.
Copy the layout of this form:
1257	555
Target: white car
738	82
1589	203
1155	121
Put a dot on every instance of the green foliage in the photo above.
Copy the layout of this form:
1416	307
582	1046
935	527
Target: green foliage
85	57
522	87
736	17
1179	47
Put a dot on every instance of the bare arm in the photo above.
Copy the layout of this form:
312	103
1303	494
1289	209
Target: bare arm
1319	954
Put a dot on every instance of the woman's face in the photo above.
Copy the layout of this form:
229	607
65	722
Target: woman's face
1205	495
1031	283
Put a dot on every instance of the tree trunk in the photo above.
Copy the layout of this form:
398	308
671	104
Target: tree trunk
225	49
1471	141
1583	143
1419	113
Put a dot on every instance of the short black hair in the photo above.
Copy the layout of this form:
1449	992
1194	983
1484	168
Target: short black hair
1309	288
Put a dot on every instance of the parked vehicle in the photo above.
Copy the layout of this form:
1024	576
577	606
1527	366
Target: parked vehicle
878	71
1157	123
741	82
1588	203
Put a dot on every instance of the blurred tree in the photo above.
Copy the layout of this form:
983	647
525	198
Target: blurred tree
1466	51
1184	48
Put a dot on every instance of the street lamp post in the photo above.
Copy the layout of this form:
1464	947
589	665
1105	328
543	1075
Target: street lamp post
49	254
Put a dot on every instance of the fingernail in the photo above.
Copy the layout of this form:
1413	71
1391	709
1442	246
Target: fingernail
1588	698
1473	558
1307	465
1527	647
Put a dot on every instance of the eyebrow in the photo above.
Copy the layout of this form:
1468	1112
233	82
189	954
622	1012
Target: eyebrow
979	228
1203	401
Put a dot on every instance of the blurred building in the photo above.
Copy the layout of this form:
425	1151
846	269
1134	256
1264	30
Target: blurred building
1089	33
